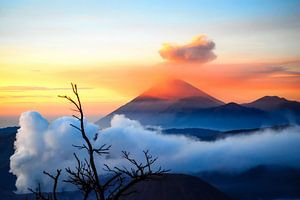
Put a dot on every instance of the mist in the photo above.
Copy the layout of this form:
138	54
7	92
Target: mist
42	145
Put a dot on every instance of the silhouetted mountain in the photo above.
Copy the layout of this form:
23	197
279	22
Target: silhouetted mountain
225	117
9	130
177	104
212	135
169	186
289	111
7	138
269	103
171	94
260	182
175	89
199	133
176	187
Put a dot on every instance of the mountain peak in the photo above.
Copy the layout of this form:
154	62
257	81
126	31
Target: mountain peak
269	103
175	89
232	105
271	99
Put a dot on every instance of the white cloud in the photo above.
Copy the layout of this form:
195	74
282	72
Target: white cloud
200	50
43	146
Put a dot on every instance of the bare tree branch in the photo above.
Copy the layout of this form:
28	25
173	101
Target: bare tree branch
55	179
85	176
41	196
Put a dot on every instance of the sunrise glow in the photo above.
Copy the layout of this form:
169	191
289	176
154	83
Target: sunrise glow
113	55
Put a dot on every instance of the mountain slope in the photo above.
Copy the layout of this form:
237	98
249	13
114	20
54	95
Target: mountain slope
174	93
177	104
7	138
280	107
175	89
168	93
226	117
272	103
176	187
258	182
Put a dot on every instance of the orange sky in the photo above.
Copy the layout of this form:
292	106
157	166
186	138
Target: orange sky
104	89
248	50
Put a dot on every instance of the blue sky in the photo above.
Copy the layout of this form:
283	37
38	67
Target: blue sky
141	26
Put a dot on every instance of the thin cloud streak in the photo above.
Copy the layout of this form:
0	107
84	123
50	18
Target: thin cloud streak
31	88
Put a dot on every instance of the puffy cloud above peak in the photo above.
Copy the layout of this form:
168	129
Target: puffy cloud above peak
199	50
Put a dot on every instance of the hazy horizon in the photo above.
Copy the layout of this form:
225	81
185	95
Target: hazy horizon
13	120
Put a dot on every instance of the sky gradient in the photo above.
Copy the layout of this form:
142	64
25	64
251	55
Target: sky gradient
112	50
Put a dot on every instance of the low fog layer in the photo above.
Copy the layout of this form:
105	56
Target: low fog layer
41	145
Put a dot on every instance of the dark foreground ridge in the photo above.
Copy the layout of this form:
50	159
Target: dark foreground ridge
176	187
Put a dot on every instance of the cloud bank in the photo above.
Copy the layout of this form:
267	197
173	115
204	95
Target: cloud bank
41	145
200	50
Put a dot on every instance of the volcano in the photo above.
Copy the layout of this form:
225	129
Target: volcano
175	89
161	100
177	104
289	111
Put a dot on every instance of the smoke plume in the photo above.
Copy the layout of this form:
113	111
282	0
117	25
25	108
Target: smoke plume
41	145
200	50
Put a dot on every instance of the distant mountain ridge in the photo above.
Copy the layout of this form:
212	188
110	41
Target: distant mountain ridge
268	103
178	104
